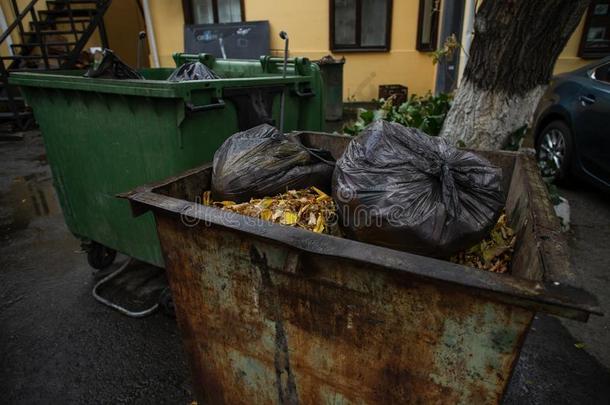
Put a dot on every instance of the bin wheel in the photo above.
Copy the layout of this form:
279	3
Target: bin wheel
100	256
166	302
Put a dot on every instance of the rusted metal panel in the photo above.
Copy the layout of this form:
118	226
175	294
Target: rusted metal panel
265	323
562	300
274	314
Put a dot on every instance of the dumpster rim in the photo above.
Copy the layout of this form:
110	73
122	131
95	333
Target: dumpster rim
560	299
148	88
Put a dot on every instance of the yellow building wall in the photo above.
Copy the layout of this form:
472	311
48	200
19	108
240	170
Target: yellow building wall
168	21
123	22
307	23
568	59
9	16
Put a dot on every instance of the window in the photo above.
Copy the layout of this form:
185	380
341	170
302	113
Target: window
595	41
427	25
212	11
360	25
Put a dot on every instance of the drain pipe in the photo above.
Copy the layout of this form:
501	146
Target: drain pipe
140	56
150	30
467	34
284	36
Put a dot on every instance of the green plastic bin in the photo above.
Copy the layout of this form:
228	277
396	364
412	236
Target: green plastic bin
105	136
332	76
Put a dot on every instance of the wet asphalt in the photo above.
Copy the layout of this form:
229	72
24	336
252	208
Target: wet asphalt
58	345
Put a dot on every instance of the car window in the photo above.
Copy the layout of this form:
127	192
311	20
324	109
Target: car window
602	73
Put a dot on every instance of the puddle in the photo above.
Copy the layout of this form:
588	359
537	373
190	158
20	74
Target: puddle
28	197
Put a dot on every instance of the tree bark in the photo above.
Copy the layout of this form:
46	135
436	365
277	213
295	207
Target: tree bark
516	44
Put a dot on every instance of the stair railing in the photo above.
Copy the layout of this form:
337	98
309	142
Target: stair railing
29	9
97	21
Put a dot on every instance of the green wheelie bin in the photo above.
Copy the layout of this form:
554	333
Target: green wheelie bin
106	136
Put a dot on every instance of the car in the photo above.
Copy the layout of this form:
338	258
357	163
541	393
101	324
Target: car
572	126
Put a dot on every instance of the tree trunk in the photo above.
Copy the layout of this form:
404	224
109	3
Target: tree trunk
512	56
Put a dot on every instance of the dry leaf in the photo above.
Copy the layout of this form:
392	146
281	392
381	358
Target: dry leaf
207	198
290	218
266	214
319	224
310	209
493	253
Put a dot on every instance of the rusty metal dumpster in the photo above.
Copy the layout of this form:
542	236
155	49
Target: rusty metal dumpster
274	314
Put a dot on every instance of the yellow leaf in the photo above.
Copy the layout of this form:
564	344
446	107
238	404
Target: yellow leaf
320	192
266	214
497	237
492	253
265	202
290	218
227	203
207	198
319	224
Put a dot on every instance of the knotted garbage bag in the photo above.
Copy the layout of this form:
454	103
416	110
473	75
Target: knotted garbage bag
262	161
192	71
400	188
107	65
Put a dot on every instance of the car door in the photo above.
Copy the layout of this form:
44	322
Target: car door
592	123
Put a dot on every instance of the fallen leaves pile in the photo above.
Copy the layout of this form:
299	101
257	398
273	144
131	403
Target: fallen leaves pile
314	210
310	209
493	253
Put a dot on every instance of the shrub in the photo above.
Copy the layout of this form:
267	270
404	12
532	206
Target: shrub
424	112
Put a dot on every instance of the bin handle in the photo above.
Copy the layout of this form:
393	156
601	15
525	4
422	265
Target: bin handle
306	93
191	108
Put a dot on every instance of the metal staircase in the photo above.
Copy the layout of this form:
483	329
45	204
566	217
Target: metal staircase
54	38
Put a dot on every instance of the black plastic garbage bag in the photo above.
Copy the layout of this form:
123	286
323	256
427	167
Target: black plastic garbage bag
107	65
192	71
262	161
400	188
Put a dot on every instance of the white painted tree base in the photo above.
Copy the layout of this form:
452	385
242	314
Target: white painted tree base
483	119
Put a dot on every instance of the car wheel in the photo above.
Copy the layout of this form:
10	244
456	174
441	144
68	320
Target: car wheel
554	151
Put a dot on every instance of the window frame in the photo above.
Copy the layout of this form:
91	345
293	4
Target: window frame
187	9
595	69
582	52
357	47
433	45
